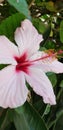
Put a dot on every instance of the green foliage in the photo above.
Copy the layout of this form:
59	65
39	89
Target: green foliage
8	26
21	6
31	118
61	84
47	110
41	27
50	6
59	121
61	31
52	78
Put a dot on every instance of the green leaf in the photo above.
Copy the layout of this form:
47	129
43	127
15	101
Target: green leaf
29	115
8	26
59	121
47	110
6	119
61	31
47	33
52	77
39	105
20	122
39	25
10	127
50	6
49	44
21	6
61	84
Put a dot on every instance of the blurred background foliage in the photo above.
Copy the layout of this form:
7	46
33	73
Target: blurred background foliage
47	17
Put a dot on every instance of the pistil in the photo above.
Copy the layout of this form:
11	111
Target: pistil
23	64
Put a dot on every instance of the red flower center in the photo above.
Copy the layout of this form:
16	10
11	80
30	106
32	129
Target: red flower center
22	63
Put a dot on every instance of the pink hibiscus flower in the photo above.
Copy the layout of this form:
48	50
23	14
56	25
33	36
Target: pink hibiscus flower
25	63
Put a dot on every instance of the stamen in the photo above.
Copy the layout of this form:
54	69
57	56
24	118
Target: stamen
45	57
23	64
28	63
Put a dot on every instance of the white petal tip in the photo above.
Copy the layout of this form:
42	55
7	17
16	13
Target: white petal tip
51	101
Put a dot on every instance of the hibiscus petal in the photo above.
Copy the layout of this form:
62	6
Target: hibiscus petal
13	91
27	38
51	64
7	51
41	85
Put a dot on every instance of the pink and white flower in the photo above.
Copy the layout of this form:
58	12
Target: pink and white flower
25	63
